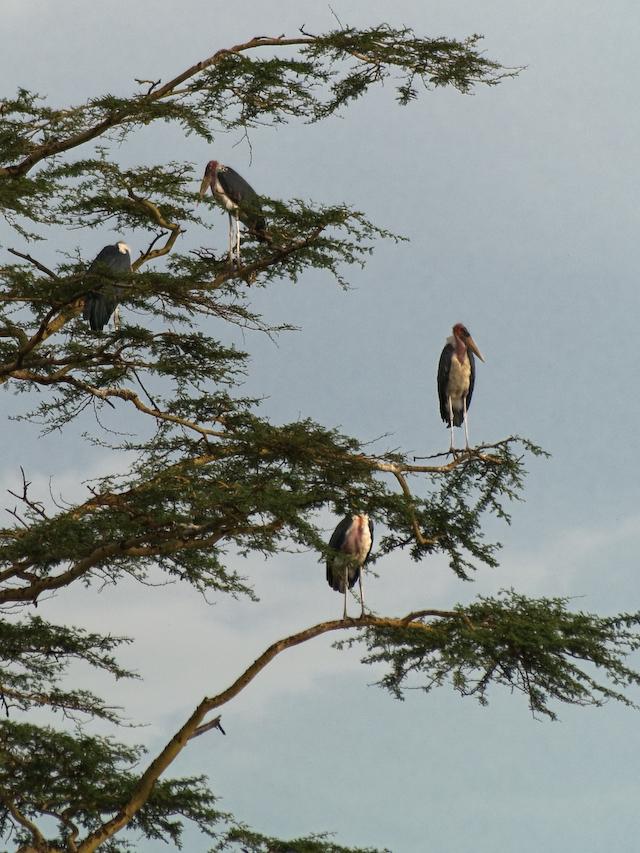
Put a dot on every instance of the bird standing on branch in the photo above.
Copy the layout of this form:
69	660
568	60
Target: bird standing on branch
102	301
351	540
456	378
233	193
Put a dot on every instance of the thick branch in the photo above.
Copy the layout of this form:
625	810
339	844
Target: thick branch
171	544
143	789
118	117
23	820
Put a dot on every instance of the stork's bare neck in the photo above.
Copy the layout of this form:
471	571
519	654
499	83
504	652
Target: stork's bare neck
358	539
462	342
459	348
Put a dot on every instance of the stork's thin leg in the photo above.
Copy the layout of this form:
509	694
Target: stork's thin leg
230	238
361	593
451	424
346	587
237	238
466	430
116	318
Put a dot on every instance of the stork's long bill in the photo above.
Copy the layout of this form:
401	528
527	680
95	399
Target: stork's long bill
209	178
471	344
204	186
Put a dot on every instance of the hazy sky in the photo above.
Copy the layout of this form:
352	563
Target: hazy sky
521	205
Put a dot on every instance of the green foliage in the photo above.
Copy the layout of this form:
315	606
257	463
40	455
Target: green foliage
243	840
35	654
534	646
80	780
456	501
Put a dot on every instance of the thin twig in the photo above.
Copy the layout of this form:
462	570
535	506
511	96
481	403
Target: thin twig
213	724
35	263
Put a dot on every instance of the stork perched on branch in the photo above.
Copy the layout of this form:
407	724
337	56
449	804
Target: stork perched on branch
351	540
456	378
238	198
102	301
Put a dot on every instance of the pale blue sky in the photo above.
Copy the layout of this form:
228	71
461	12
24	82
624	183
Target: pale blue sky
521	203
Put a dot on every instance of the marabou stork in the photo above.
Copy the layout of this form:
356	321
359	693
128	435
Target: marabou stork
456	378
101	302
351	540
240	200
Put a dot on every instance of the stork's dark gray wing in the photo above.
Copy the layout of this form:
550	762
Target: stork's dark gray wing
235	186
370	546
472	378
103	299
337	562
444	366
243	194
339	534
98	308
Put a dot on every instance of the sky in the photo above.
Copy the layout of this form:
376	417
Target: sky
520	204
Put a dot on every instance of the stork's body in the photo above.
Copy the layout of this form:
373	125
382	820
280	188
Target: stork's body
351	540
456	379
101	302
238	198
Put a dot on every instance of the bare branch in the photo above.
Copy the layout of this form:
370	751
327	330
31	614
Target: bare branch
35	263
420	538
174	747
206	727
156	215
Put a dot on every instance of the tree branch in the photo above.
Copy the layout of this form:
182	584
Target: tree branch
23	820
206	727
191	727
156	214
420	538
35	263
118	117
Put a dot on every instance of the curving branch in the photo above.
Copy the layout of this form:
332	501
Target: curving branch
421	539
157	216
61	377
35	263
38	838
164	545
194	725
122	116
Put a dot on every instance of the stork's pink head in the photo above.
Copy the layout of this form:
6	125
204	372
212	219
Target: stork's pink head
462	334
209	179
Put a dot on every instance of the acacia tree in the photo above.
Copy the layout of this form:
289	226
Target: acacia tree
212	477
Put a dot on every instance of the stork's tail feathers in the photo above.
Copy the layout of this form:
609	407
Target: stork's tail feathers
258	230
335	575
97	310
458	417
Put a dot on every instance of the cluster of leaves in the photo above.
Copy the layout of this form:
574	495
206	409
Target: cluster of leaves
538	647
34	655
40	771
244	840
